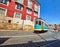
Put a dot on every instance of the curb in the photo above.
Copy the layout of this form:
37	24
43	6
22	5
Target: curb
17	36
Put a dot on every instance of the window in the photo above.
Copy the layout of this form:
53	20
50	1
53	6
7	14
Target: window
36	22
39	22
42	23
2	11
4	1
18	6
36	13
17	15
28	18
36	7
2	14
45	24
20	1
29	3
29	11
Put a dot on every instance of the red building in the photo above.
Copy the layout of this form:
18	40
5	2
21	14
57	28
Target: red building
22	12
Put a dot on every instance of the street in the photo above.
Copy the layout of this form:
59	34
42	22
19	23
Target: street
29	39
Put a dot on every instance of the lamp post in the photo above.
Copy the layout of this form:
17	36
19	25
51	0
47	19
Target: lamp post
23	25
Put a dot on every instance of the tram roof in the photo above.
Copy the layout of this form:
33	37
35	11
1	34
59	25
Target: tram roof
40	19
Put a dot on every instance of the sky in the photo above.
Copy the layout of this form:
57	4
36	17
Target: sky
50	11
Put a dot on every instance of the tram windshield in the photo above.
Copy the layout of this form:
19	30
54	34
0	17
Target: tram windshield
39	22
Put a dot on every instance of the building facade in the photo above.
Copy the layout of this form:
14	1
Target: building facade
58	27
18	14
51	27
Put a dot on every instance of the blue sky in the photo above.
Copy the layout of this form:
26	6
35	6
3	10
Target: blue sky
50	11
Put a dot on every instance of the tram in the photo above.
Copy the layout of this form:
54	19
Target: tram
40	25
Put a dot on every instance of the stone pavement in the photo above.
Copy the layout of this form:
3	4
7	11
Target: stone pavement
14	33
27	39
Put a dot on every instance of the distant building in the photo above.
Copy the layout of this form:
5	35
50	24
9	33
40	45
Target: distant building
51	26
58	27
54	27
21	12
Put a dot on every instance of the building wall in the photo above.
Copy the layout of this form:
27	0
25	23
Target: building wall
21	22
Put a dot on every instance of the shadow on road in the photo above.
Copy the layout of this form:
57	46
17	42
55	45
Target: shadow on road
51	43
2	40
40	32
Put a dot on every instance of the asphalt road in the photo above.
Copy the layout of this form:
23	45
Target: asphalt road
30	39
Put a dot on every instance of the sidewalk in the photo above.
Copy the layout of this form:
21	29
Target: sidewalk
14	33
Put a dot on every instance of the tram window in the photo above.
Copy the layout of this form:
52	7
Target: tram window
36	22
39	22
42	23
45	24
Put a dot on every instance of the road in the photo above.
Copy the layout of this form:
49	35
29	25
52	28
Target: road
30	39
